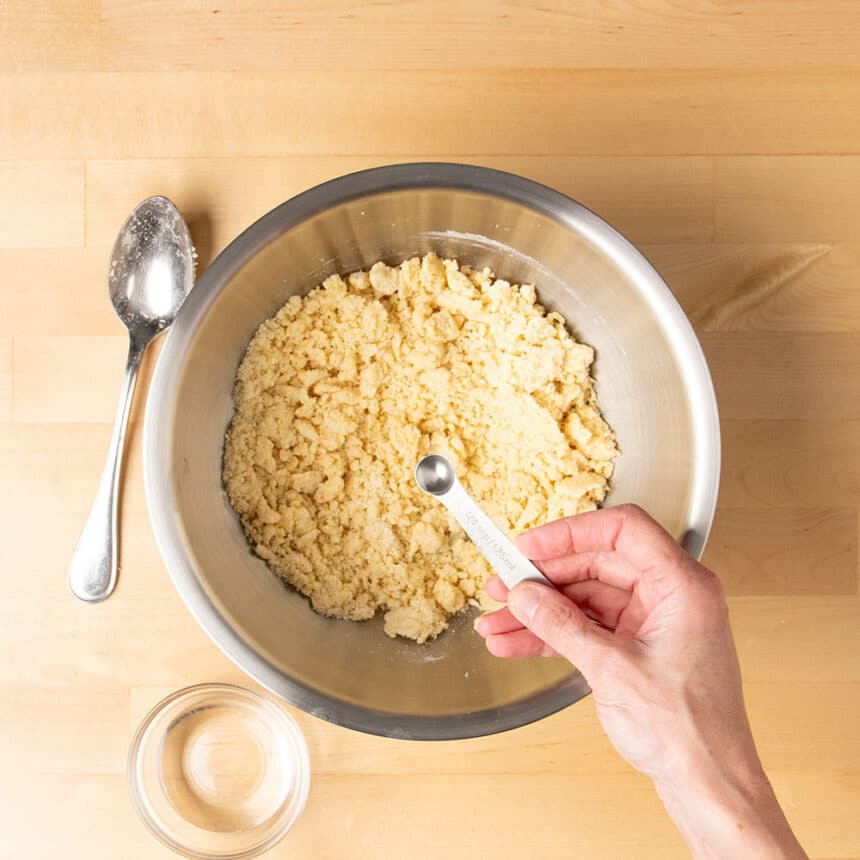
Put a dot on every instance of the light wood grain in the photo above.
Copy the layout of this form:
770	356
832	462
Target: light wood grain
223	196
50	35
5	379
100	709
815	198
723	138
790	463
803	287
798	640
57	291
49	371
758	551
785	374
44	204
446	111
58	36
33	455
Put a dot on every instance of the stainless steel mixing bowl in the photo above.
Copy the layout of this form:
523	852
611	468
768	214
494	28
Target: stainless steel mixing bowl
653	383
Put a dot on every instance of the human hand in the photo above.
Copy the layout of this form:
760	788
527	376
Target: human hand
648	628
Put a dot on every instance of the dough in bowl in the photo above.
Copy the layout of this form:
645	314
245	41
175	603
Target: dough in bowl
342	392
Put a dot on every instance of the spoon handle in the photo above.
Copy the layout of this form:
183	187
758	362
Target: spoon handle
93	568
506	560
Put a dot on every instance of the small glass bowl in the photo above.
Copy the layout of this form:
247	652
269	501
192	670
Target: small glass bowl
217	771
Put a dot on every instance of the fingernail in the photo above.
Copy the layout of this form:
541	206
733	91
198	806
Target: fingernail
523	601
478	623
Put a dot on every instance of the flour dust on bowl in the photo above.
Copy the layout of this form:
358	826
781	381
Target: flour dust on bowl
653	386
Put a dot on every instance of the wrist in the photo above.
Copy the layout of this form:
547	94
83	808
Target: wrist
728	810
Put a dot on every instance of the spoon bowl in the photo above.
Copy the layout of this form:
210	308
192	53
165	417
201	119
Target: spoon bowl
435	474
151	266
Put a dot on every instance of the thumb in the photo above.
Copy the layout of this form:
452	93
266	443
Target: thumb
560	623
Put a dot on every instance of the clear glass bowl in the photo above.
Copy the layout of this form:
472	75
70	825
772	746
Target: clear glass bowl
217	771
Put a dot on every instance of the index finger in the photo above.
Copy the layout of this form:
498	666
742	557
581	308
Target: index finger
625	529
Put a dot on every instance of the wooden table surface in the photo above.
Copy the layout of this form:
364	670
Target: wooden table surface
722	137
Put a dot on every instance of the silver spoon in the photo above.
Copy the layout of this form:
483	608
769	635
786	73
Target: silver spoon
151	272
435	475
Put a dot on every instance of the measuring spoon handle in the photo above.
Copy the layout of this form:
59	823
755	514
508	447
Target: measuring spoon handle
506	560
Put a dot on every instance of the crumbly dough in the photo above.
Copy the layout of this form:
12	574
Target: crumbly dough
342	392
